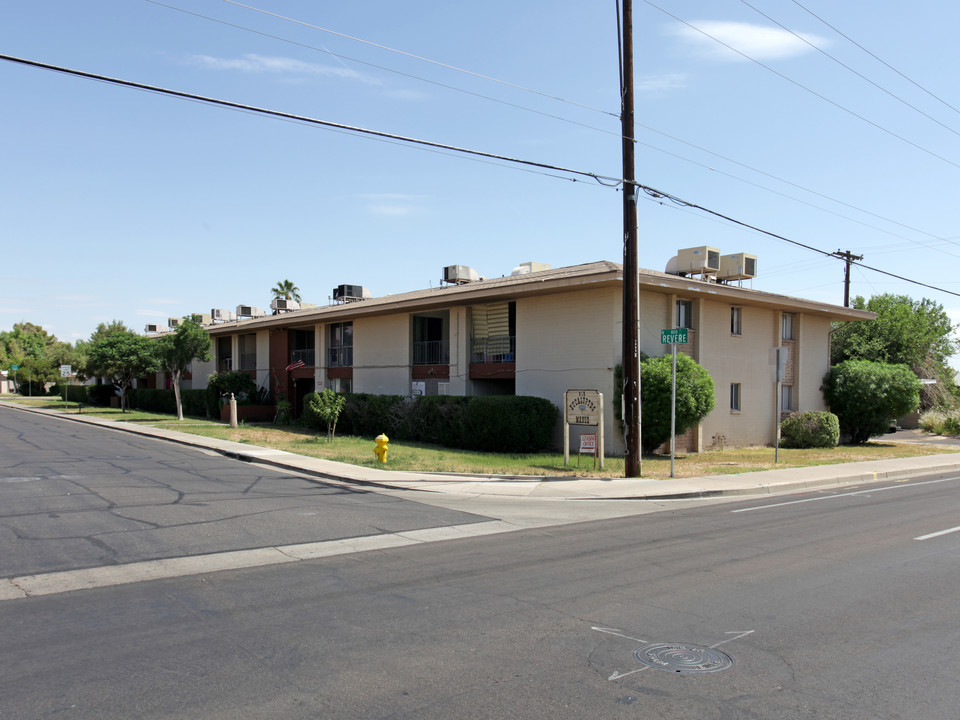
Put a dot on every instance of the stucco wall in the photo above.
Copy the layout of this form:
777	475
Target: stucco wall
570	341
814	362
381	355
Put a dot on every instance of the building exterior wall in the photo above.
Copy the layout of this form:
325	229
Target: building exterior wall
814	362
381	355
567	342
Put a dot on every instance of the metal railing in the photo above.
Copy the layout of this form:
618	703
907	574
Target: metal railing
431	352
340	356
499	349
305	356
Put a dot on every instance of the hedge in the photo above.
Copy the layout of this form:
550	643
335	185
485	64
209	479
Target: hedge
810	430
493	423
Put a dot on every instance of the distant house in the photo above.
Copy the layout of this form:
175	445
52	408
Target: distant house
542	331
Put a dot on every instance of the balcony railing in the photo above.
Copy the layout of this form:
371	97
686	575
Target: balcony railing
499	349
304	356
340	356
431	352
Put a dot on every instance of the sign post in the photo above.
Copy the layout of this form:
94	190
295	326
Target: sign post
15	368
65	371
582	407
673	337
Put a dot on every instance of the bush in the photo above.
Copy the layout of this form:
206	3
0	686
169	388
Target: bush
941	422
810	430
243	387
100	394
322	410
866	396
695	398
152	400
502	423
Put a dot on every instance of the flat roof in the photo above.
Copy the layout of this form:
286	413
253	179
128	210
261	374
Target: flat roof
541	282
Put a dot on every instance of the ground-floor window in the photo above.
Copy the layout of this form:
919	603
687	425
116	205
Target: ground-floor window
340	385
735	397
786	398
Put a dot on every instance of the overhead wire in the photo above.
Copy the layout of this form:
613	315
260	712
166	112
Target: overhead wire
850	69
876	57
803	87
578	174
655	148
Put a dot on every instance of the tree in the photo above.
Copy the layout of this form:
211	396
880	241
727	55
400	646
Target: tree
286	290
35	351
176	352
915	333
865	396
324	407
121	356
695	397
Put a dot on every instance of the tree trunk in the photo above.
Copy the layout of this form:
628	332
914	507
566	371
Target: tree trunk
176	394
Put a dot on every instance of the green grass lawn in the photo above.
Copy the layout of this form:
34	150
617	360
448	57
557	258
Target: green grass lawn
433	458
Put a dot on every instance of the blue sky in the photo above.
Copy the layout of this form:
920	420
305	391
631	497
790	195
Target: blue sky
122	204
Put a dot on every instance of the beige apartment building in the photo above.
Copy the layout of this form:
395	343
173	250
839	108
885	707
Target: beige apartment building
542	331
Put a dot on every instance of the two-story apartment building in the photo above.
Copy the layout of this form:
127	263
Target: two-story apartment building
542	332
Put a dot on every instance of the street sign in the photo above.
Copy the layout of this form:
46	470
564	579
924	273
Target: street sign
65	370
14	367
674	336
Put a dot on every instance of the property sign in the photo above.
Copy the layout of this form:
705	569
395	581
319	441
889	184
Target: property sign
582	407
588	443
674	336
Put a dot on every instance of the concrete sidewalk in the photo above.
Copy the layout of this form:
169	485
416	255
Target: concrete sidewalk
560	488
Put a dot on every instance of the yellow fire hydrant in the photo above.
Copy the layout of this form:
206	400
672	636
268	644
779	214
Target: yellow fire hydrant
381	448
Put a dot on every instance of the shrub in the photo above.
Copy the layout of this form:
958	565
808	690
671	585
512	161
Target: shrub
695	398
866	395
153	400
322	410
100	394
941	422
810	430
219	385
502	423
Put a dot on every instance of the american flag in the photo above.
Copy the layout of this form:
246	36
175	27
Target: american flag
295	364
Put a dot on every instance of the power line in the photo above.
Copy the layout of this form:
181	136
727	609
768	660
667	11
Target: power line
585	125
855	72
602	179
875	57
804	87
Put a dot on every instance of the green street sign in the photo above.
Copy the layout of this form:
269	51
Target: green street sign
674	336
14	367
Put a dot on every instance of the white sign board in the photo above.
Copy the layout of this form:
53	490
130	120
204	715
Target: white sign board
65	371
419	388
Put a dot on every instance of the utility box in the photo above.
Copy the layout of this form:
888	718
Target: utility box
702	260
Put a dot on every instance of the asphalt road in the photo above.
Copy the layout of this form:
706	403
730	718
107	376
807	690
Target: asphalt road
838	604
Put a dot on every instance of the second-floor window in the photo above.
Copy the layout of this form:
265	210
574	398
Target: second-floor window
787	326
685	313
735	321
340	345
302	344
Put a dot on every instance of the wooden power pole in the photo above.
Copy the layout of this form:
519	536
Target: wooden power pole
631	306
849	258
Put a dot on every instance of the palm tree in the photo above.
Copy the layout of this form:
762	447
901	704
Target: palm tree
286	290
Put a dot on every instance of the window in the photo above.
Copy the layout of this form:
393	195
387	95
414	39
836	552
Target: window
734	321
340	385
735	397
786	398
247	345
302	346
430	339
224	354
340	349
787	326
685	313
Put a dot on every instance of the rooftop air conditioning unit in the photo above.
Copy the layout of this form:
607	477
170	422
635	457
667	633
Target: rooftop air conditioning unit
152	329
221	315
459	274
529	267
202	318
701	260
248	311
282	305
739	266
174	322
350	293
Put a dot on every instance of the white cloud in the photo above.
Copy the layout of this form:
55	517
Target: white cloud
253	63
756	41
657	83
395	204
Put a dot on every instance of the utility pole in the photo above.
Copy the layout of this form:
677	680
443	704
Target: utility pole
849	258
631	309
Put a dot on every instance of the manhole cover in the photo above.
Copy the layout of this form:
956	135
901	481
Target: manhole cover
682	658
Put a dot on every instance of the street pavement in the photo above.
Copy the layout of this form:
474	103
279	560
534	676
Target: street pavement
570	488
